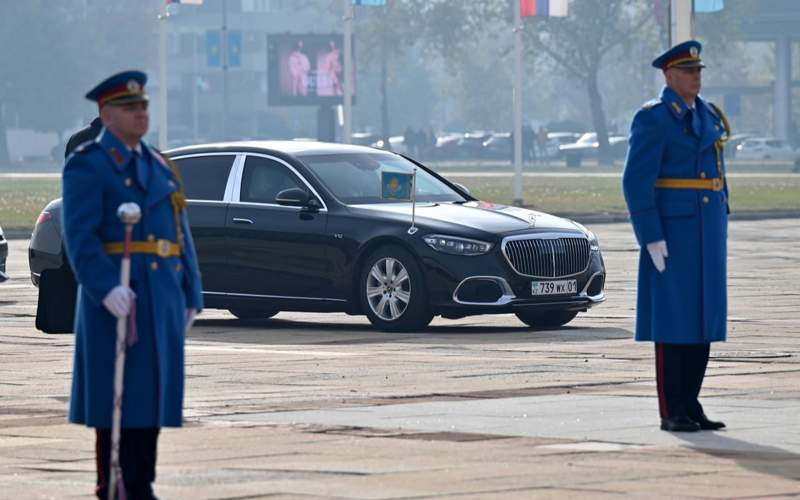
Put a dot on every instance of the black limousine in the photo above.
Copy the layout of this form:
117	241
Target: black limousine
303	226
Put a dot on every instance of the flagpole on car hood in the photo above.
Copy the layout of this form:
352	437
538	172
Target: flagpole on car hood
413	228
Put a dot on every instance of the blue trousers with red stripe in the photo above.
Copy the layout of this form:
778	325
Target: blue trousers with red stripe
680	369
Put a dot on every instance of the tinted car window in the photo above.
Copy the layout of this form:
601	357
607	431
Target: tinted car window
356	178
263	179
205	177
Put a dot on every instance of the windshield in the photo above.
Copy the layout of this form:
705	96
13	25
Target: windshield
356	178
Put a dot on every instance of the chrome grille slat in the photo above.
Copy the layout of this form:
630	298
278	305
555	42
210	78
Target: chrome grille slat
549	257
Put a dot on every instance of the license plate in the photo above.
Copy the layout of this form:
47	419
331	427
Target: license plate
558	287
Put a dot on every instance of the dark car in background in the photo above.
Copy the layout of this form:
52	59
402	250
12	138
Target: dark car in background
303	226
3	256
51	272
461	146
499	146
587	147
551	148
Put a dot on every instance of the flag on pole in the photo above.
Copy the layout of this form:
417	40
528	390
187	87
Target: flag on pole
369	2
708	5
396	186
543	8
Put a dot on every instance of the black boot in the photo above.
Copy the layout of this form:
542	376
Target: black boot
679	424
708	425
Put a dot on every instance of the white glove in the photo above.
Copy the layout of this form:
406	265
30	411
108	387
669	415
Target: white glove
658	252
118	301
191	314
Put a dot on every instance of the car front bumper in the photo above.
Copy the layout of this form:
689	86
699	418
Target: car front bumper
449	279
3	257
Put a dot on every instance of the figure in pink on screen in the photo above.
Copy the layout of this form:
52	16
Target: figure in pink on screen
299	67
329	67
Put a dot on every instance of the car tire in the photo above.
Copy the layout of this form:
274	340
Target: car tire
544	320
262	313
393	292
55	310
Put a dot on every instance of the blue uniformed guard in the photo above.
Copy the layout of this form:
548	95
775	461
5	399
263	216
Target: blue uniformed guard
675	189
115	168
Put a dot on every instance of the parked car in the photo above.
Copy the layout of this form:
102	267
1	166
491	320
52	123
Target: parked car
446	147
499	146
289	226
397	144
3	256
364	138
470	147
554	141
733	143
588	147
51	272
765	148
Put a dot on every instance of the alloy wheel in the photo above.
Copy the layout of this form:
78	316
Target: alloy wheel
388	289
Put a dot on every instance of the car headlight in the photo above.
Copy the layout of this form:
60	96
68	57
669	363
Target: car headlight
594	244
457	246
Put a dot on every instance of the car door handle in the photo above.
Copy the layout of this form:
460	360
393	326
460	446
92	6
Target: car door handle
237	220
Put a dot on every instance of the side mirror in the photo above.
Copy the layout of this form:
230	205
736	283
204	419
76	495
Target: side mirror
462	187
293	197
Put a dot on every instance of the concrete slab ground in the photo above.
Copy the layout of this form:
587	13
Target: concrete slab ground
323	406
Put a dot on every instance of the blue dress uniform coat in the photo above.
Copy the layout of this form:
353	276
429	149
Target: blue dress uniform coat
687	303
97	178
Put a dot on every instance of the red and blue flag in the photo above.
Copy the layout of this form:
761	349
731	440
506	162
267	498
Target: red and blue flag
543	8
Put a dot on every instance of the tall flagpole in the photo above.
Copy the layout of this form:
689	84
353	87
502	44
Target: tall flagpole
162	77
518	201
347	133
680	28
224	62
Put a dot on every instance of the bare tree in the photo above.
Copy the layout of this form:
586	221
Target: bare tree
579	43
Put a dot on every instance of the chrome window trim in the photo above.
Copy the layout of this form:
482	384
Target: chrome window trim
506	298
199	202
237	189
258	296
268	205
229	184
546	236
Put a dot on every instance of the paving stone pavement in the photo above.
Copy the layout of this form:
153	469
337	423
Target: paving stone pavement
323	406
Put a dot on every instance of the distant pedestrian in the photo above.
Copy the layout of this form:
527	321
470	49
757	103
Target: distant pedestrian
674	185
165	293
541	143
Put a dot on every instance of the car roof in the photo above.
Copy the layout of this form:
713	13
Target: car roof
285	147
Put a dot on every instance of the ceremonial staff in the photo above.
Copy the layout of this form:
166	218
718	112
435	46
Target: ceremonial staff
129	214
